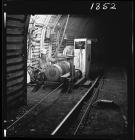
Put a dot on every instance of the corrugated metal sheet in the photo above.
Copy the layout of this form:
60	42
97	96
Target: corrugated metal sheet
16	63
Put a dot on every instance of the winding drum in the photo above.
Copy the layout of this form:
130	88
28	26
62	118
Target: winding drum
54	71
65	66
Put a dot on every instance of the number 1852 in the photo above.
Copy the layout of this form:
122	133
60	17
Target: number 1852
103	6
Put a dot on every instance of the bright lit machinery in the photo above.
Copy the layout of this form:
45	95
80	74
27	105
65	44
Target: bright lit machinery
82	55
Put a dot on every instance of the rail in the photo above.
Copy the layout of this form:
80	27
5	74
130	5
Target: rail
32	108
88	107
62	124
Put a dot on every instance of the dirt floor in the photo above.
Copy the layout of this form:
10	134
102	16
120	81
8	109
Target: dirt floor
103	120
44	118
106	119
33	97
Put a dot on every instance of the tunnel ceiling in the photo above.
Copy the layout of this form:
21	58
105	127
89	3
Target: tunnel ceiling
110	29
78	25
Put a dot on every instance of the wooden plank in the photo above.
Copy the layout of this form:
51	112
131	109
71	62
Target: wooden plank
15	23
15	31
13	60
14	75
37	47
15	67
36	51
15	43
16	17
35	65
14	46
36	55
15	53
35	58
14	82
37	43
35	62
46	44
37	39
14	98
10	90
15	39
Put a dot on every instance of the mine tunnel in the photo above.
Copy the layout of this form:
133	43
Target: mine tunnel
53	60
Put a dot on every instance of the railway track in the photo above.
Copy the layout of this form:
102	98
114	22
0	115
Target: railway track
46	117
77	126
63	127
32	108
88	108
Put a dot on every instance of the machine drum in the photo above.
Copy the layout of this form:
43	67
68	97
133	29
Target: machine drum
65	66
54	71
